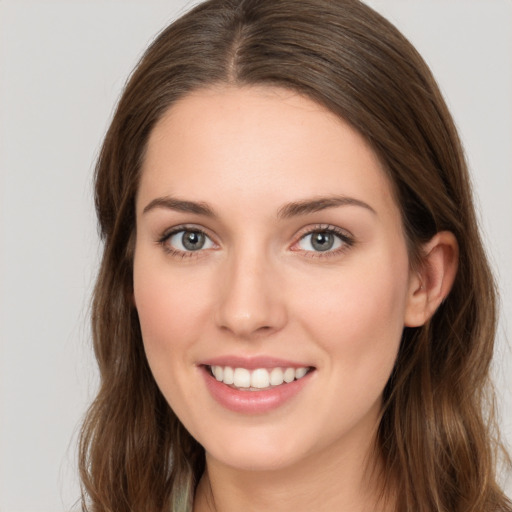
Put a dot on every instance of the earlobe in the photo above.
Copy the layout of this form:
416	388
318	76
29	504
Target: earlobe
431	283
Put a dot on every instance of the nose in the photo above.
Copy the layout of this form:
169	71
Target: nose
252	300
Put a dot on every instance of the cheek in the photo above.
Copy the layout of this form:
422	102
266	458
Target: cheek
170	310
358	316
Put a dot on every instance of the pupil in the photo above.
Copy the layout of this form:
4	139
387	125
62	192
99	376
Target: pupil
193	240
322	241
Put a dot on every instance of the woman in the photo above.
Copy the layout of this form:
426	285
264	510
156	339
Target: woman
294	309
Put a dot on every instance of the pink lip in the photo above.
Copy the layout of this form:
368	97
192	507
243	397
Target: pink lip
253	402
252	363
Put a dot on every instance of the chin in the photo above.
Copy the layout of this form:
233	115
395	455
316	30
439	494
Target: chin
255	451
254	460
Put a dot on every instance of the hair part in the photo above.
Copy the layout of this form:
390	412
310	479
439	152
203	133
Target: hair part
437	436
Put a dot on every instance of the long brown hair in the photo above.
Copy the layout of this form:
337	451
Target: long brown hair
437	434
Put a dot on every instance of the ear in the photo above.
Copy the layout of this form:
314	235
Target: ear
431	283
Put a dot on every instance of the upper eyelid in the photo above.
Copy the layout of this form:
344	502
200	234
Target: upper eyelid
164	238
308	230
346	237
167	233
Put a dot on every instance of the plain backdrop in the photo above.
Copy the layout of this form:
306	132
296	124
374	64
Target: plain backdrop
62	66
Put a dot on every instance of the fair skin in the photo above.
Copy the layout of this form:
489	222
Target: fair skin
268	236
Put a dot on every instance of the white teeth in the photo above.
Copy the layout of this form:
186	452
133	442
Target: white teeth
242	378
229	376
299	373
276	377
260	378
218	372
289	375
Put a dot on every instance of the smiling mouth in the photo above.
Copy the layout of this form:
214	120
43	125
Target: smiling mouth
258	379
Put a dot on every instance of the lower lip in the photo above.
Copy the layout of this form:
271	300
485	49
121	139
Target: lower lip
253	402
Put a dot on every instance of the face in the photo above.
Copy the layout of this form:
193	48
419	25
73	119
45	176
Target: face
271	276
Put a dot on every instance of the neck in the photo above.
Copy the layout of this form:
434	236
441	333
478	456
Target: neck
330	481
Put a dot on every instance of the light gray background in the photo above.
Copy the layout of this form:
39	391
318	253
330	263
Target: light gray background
62	66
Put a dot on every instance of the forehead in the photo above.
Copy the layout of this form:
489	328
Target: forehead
258	145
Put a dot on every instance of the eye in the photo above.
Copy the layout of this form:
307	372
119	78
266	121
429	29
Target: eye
324	240
187	240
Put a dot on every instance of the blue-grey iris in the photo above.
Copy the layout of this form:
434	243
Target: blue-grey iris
322	241
193	240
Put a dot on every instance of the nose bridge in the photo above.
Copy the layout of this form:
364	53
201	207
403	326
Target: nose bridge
250	303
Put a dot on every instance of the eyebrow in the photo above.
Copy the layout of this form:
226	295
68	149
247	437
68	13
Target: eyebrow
317	204
179	205
294	209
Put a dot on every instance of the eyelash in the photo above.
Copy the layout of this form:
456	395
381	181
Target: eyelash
166	236
346	239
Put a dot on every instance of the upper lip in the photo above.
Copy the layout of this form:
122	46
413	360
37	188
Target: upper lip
252	363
